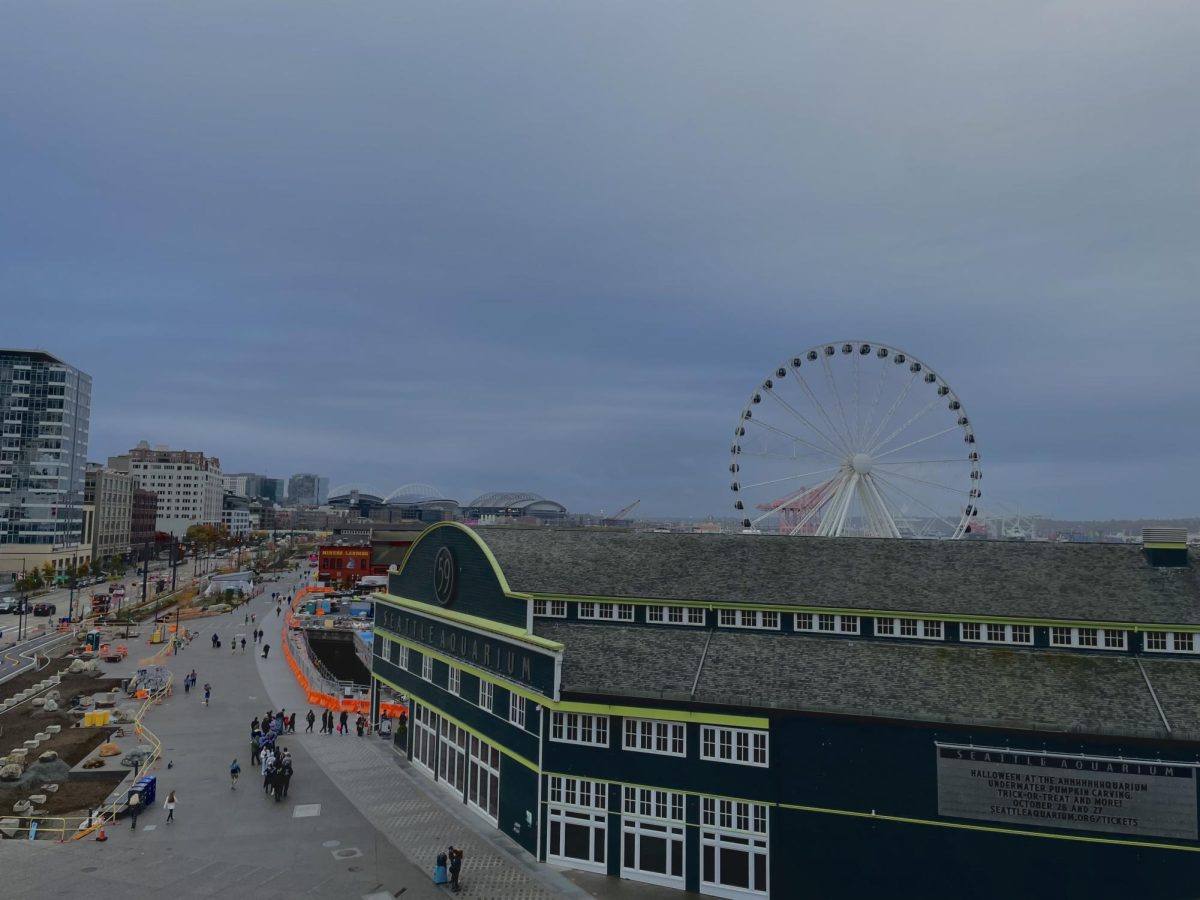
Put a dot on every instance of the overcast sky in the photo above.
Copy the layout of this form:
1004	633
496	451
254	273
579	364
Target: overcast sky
553	246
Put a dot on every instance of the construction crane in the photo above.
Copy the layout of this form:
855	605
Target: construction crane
622	516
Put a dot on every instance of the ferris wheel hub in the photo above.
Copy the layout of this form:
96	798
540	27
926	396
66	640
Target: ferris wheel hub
861	463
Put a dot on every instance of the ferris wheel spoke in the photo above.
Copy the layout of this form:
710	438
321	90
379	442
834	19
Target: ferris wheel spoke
881	523
916	462
794	437
896	404
795	412
789	478
911	421
875	399
940	486
840	442
836	396
856	436
937	515
918	441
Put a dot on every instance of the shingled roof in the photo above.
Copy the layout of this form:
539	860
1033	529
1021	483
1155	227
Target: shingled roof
1041	690
1092	582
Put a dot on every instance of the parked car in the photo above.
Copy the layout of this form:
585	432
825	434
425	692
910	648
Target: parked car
8	604
44	609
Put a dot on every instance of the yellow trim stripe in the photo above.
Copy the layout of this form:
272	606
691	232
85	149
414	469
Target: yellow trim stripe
989	828
871	613
672	715
1158	545
481	624
457	526
491	742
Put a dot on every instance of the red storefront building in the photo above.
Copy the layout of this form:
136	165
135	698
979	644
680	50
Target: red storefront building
338	565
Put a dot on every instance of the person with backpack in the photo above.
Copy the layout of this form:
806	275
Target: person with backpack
234	771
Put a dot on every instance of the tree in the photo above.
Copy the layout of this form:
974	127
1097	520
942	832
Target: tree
116	565
48	572
84	568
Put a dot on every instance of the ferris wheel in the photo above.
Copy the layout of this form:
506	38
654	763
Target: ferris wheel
855	438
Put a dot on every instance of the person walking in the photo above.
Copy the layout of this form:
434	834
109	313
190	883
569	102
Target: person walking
243	643
358	725
344	723
234	771
292	724
135	807
215	641
266	650
254	725
170	807
286	772
207	692
187	684
310	718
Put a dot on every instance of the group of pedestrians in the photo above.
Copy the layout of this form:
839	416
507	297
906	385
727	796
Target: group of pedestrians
275	761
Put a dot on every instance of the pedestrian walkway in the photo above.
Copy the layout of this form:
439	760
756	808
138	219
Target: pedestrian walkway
397	801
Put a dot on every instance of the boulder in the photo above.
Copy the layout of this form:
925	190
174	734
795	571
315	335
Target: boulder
48	756
37	799
9	827
76	667
17	755
51	706
38	701
110	749
54	695
10	772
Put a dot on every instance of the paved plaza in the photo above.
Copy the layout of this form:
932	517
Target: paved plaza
358	822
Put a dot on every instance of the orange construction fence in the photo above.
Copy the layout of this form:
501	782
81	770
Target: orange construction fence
320	698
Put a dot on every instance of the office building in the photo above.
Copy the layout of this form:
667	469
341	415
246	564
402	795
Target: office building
307	489
108	513
45	409
187	483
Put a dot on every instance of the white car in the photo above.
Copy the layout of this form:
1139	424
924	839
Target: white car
8	604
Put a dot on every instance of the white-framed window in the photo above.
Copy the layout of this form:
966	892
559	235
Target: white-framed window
577	822
733	847
1171	641
554	609
484	792
733	745
426	725
1096	638
996	633
827	623
926	629
402	657
485	695
579	728
454	680
427	667
748	618
516	709
652	828
656	736
675	615
615	612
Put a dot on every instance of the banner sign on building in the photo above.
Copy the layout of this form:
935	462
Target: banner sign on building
1148	798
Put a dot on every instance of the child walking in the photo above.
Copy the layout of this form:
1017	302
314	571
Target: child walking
170	806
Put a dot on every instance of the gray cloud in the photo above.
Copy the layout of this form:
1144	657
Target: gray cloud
554	246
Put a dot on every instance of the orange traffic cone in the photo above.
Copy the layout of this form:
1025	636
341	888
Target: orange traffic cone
102	836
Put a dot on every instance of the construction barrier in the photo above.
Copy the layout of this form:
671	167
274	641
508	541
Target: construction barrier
317	689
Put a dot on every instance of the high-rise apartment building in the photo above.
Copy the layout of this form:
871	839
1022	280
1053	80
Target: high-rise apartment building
188	484
307	489
108	512
254	487
45	409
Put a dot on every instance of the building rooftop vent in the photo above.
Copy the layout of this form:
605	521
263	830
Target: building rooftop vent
1166	547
